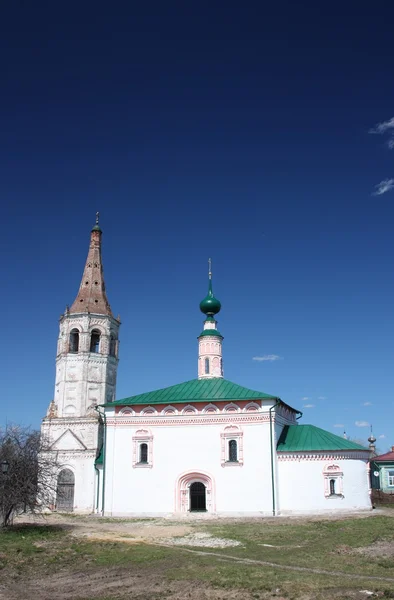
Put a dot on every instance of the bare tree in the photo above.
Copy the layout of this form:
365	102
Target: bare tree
27	474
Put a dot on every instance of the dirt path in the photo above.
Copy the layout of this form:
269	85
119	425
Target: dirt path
265	563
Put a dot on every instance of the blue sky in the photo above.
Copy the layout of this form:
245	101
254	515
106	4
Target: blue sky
244	133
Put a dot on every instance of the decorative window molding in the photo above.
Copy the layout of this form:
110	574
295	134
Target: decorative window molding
169	410
390	477
210	408
127	412
232	433
149	410
333	481
231	408
251	407
189	410
143	436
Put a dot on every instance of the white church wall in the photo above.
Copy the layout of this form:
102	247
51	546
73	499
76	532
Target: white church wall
302	485
82	465
181	449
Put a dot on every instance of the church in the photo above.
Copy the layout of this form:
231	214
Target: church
207	446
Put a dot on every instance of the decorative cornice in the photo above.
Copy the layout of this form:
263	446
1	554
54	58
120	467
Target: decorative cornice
322	455
200	419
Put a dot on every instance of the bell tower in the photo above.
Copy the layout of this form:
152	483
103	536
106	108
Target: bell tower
87	351
210	362
86	369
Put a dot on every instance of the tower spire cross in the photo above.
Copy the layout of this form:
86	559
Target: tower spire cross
97	217
210	268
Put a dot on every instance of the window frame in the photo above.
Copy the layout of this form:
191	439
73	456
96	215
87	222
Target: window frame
232	433
142	436
390	478
333	473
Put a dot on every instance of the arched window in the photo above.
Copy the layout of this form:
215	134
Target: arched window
112	346
207	366
232	451
332	487
74	341
143	453
95	341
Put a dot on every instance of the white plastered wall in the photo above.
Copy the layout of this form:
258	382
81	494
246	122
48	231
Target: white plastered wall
179	449
302	489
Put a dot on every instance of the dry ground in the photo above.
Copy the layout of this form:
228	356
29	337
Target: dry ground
90	558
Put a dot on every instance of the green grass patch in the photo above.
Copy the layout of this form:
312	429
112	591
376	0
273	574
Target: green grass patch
39	550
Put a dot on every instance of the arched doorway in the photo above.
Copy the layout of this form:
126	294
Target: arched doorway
195	492
198	499
65	491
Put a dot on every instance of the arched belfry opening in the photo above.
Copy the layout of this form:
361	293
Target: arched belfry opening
65	491
95	341
74	341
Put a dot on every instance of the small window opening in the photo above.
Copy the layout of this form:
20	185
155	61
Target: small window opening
112	346
74	341
143	453
332	487
207	366
232	451
95	341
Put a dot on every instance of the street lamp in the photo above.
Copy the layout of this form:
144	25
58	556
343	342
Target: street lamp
4	466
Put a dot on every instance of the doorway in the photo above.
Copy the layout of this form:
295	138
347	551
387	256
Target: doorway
198	501
65	491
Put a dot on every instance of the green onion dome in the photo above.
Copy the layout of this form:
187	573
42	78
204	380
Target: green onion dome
210	305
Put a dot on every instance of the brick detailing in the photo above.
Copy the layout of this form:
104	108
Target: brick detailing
91	296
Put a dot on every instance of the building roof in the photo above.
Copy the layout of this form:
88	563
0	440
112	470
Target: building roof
196	390
389	456
308	438
91	296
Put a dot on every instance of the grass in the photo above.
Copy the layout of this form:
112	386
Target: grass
31	552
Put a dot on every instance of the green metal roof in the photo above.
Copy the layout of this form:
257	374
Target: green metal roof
308	438
196	390
210	332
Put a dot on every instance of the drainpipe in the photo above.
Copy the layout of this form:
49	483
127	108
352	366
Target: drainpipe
272	460
98	487
103	415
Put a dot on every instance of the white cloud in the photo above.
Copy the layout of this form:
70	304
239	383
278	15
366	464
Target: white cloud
265	357
361	424
308	406
390	143
383	127
367	403
384	186
339	425
305	398
322	398
381	437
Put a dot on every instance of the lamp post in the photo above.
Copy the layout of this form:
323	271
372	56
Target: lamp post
4	467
